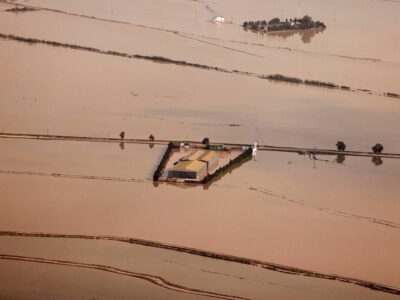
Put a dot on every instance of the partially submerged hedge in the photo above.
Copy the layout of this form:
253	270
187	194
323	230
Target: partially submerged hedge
234	162
161	167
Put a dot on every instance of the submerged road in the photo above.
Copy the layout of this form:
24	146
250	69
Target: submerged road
309	151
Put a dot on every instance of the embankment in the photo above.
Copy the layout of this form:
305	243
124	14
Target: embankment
161	59
215	255
156	280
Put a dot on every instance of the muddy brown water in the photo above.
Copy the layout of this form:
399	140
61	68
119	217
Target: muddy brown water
284	208
352	51
189	271
280	208
108	94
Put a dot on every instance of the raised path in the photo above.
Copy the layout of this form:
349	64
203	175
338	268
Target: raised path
195	143
199	252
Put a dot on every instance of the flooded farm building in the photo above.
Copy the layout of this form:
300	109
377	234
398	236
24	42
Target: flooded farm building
194	165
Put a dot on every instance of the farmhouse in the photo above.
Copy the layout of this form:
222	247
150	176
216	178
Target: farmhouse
194	165
188	169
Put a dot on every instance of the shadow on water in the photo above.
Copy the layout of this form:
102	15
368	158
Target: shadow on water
340	158
377	161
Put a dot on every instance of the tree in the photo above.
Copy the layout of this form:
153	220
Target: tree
206	141
274	21
122	135
307	19
151	137
341	146
377	149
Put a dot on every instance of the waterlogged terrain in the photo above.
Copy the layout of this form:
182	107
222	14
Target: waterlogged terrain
284	225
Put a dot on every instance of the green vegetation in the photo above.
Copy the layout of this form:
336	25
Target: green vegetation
279	77
377	149
245	156
341	146
161	167
276	24
18	9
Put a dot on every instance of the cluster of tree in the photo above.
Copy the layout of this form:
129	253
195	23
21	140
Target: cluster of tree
161	167
206	141
277	24
377	148
20	9
279	77
158	59
321	83
393	95
246	155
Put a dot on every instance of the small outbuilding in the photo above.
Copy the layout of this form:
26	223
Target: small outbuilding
219	20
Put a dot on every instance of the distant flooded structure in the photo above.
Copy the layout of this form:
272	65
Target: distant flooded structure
218	20
194	165
276	25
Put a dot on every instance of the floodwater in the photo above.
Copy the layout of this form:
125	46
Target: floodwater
187	270
279	208
328	215
352	51
108	94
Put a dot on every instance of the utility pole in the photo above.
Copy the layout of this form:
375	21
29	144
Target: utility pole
299	13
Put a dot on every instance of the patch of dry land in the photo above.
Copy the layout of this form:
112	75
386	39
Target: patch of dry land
281	226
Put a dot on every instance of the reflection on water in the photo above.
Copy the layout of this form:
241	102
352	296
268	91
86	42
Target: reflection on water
306	35
122	145
377	161
151	146
340	158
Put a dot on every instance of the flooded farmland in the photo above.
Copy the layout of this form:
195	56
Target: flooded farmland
282	225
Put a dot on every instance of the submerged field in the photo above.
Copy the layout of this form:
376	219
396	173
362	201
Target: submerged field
327	215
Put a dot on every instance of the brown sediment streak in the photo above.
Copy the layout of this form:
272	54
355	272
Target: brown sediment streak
160	59
183	34
327	210
369	59
157	280
75	176
216	45
207	7
215	255
303	203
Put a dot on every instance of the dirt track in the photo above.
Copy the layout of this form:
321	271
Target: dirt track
210	254
157	280
304	151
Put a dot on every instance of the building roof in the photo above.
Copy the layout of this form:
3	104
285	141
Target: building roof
188	165
208	156
193	156
201	155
